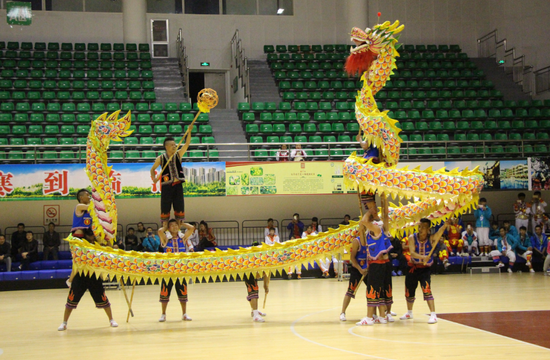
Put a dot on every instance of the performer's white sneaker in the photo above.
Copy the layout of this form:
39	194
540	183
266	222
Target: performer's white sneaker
528	263
531	270
113	323
432	319
389	318
259	313
407	316
162	318
366	321
186	317
343	317
62	327
380	320
391	313
499	265
510	270
258	319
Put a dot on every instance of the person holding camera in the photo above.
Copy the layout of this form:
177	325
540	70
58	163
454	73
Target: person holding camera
483	215
538	208
151	242
522	211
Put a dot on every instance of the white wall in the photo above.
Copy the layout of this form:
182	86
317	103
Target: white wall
62	26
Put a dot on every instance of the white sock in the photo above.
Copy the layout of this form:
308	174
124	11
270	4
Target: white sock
433	313
410	312
256	313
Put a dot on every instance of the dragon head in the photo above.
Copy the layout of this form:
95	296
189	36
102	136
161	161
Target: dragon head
369	44
106	128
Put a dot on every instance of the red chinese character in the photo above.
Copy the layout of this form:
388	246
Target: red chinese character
56	181
116	178
155	188
6	187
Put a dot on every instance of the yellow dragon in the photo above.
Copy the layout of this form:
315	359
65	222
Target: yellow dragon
441	193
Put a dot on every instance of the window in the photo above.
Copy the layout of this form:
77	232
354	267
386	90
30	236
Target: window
274	7
239	7
35	4
202	7
103	6
164	6
64	5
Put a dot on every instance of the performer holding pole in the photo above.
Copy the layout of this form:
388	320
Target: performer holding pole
252	288
357	272
421	245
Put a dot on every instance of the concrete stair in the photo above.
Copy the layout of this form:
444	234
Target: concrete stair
503	82
227	128
168	81
262	84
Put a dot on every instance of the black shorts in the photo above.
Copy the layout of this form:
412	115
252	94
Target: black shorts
79	286
379	291
415	276
172	196
251	286
354	278
166	290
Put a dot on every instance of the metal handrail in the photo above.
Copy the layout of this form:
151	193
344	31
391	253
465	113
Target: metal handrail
542	80
241	63
183	62
522	74
251	154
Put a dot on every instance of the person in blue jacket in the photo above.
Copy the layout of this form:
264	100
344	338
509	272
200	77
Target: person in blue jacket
524	248
511	229
539	243
483	215
506	244
151	243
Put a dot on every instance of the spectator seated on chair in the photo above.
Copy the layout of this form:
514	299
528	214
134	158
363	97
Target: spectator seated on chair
454	240
206	236
272	237
524	248
118	243
269	227
131	241
494	234
296	227
469	238
51	243
17	239
5	253
539	243
151	243
141	233
506	244
28	251
346	220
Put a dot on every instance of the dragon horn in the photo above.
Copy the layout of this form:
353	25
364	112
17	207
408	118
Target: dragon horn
399	29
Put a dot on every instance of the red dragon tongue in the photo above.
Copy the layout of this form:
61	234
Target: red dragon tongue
358	63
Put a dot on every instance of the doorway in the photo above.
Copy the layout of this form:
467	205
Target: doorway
160	38
211	79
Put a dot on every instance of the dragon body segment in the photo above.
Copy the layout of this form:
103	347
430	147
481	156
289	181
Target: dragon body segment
437	195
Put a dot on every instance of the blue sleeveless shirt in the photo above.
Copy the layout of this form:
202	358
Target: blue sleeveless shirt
379	246
422	248
175	246
361	255
82	222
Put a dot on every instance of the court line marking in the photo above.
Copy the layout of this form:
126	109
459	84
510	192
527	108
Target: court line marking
492	333
415	342
293	329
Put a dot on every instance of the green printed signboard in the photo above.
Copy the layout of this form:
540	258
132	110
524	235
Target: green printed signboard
19	13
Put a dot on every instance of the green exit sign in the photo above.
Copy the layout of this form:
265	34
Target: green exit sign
204	63
19	13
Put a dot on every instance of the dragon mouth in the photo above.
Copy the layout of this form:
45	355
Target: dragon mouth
360	47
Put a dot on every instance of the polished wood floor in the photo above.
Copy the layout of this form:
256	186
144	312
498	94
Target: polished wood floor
301	323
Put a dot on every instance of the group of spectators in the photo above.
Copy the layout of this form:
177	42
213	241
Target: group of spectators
297	154
147	239
24	247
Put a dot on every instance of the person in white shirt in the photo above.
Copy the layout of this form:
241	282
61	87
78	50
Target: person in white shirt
469	237
194	238
272	238
283	154
269	226
538	208
298	154
522	211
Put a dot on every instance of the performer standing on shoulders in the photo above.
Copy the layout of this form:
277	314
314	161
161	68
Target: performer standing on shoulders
420	246
171	179
174	243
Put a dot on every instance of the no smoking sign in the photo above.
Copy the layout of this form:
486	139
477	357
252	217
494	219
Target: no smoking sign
51	214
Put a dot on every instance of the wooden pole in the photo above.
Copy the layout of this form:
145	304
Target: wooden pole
265	299
359	284
126	297
131	300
